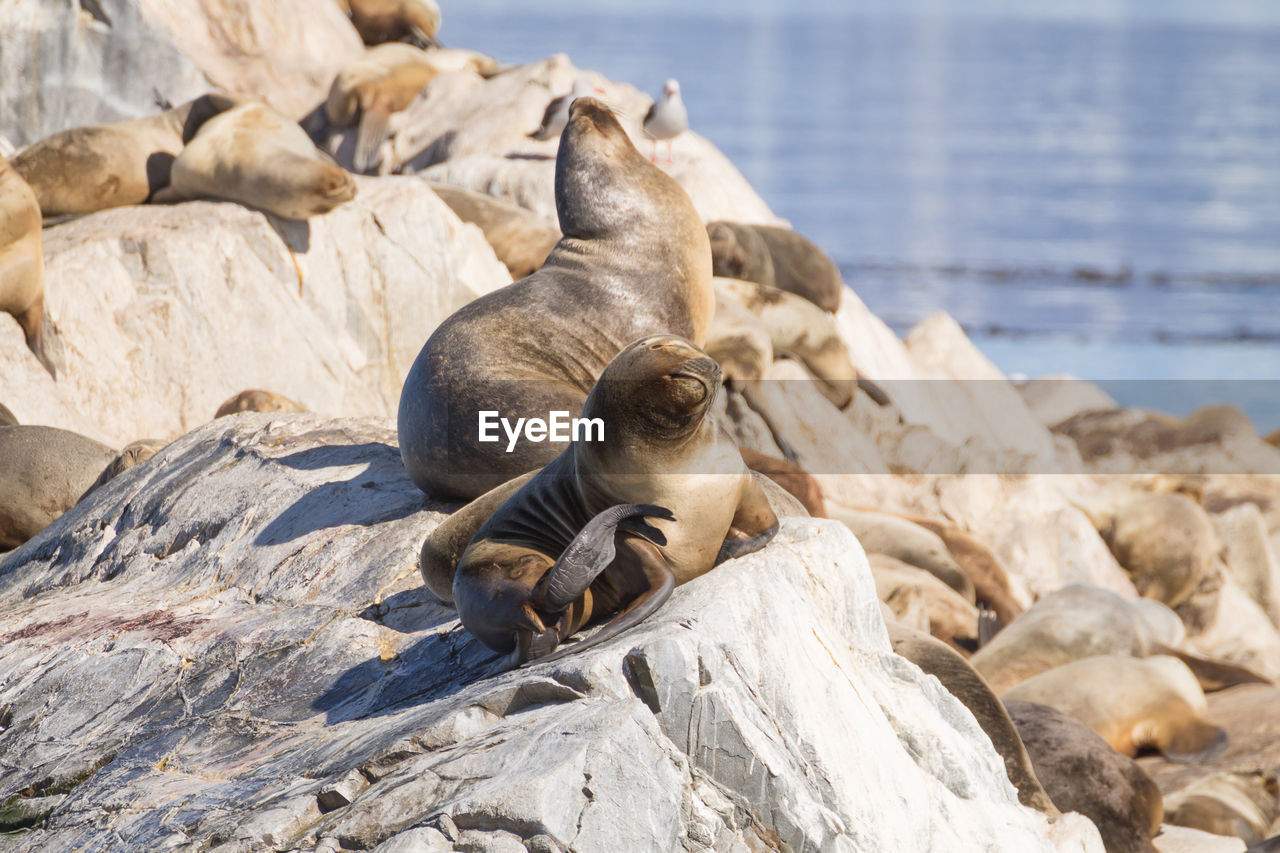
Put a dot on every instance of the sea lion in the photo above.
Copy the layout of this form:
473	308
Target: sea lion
46	470
86	169
253	155
1166	543
945	664
980	564
7	418
883	533
257	400
22	261
633	261
134	454
520	238
1133	703
1239	803
949	617
776	257
572	545
379	21
798	482
1082	773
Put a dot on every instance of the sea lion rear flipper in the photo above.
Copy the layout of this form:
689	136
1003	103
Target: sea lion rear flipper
1193	742
1212	674
591	552
370	136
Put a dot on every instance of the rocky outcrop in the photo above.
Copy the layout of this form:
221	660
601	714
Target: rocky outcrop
227	648
107	60
157	314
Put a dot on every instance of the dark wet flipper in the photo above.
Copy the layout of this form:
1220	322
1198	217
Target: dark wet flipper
735	547
589	554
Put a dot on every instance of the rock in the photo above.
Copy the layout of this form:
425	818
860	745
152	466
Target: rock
185	657
472	132
159	314
106	60
1250	556
1181	839
1054	399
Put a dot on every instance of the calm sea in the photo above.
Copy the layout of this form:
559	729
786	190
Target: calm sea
1093	191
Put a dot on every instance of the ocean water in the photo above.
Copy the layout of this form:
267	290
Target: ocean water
1093	190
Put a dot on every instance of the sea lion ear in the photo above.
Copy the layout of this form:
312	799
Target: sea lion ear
1195	742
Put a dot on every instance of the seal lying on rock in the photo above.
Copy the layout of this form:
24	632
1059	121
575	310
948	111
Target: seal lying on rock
634	261
46	470
379	21
776	257
22	261
92	168
520	238
253	155
1243	804
571	544
257	400
1134	704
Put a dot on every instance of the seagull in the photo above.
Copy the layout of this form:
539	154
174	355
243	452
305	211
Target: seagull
667	118
557	114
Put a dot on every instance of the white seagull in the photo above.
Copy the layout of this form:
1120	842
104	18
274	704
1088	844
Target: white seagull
557	114
667	118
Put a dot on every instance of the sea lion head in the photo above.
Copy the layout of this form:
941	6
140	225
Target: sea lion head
660	387
494	599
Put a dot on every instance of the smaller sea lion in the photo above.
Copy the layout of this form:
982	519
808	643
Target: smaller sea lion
7	418
253	155
1132	703
572	544
1166	543
776	257
133	454
520	238
950	618
1082	773
86	169
257	400
379	21
46	470
960	679
738	251
1242	804
883	533
22	261
980	564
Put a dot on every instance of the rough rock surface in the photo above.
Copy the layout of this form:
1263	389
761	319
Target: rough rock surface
157	314
104	61
201	654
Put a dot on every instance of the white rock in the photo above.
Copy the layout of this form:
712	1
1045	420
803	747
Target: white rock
1053	399
1184	839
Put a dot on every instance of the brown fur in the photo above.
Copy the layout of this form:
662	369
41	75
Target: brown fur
256	400
521	239
22	260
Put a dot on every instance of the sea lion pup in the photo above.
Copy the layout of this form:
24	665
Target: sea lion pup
7	418
945	664
633	261
1082	773
776	257
86	169
1133	703
948	616
1242	804
22	261
572	544
253	155
46	470
257	400
520	238
1080	621
379	21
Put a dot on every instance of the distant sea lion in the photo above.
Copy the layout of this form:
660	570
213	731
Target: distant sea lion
571	544
884	533
7	418
946	665
46	470
520	238
257	400
980	564
253	155
776	257
22	261
86	169
951	618
798	482
134	454
1166	543
1082	773
1133	703
633	261
379	21
1239	803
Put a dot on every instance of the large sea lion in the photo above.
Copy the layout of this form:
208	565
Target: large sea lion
253	155
520	238
1133	703
571	545
46	470
22	260
257	400
633	261
776	257
1239	803
92	168
1082	773
960	679
379	21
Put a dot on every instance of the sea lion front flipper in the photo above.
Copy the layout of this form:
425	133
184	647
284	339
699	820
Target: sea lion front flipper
373	130
754	524
1212	674
1192	742
591	552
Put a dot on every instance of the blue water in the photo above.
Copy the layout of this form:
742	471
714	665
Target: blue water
1093	190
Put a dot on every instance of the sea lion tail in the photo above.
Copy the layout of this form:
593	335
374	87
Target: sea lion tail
592	550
